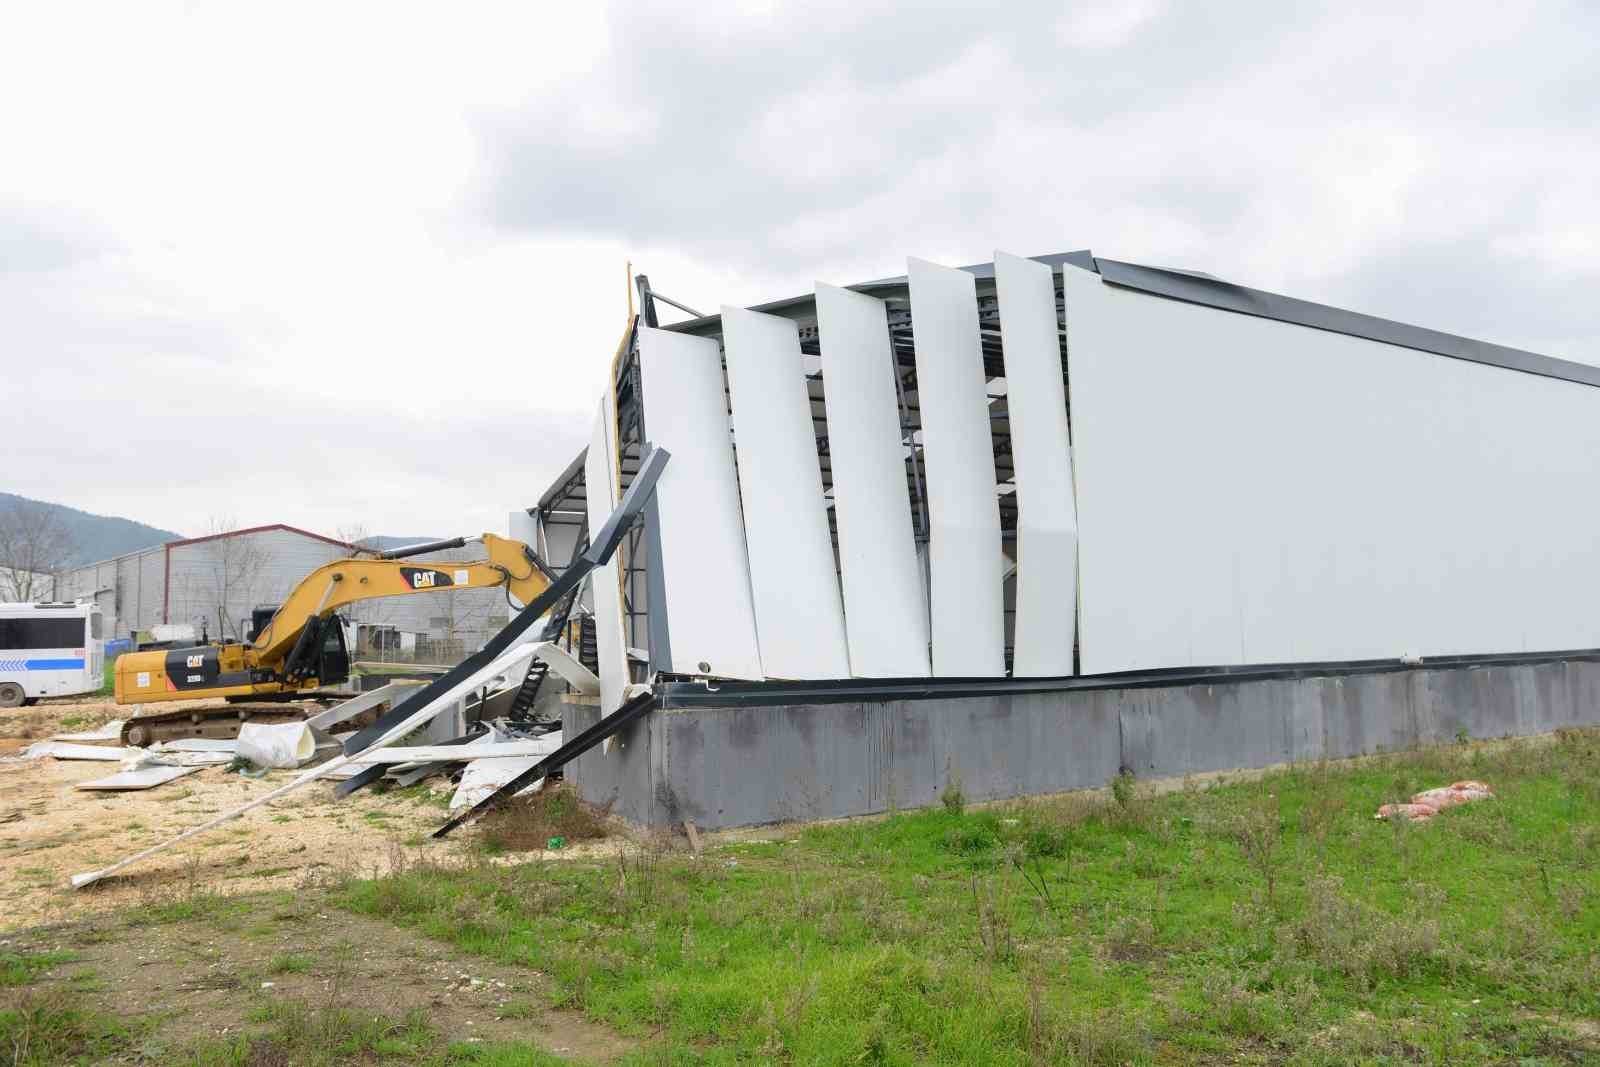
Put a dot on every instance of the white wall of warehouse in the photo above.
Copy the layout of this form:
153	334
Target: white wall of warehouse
1252	491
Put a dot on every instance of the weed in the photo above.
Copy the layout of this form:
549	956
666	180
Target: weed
1259	833
954	801
1122	789
527	824
288	963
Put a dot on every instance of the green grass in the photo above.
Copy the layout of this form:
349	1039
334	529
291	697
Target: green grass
1272	920
288	963
25	968
324	1035
50	1027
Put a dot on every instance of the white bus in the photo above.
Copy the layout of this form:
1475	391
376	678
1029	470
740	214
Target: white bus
49	650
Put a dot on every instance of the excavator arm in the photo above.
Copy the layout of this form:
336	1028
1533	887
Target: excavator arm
347	581
285	656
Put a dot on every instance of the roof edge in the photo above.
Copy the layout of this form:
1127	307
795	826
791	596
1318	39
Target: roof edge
1211	292
259	529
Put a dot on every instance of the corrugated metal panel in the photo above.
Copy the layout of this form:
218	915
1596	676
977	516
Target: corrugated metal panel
1252	491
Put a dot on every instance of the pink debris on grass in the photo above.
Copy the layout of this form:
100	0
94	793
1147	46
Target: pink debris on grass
1430	802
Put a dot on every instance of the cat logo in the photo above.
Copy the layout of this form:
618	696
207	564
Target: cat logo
423	579
196	661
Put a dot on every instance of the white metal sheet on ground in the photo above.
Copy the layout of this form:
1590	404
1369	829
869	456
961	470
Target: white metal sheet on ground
1041	454
709	611
540	746
885	605
483	776
1252	491
511	659
600	489
147	777
111	731
799	617
966	597
70	750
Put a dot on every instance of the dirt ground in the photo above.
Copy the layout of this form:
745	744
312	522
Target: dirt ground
50	831
203	978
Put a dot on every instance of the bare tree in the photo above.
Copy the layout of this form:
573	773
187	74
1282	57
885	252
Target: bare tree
356	534
35	545
233	567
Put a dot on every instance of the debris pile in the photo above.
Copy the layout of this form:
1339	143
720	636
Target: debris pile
1430	802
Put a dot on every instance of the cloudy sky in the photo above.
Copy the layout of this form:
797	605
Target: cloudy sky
335	264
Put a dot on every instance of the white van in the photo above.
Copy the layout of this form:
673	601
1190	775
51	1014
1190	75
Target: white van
49	650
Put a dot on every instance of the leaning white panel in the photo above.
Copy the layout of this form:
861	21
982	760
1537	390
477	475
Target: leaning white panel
600	493
966	595
885	608
711	624
1041	451
799	619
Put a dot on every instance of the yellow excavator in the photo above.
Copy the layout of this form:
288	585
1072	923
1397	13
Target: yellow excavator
300	646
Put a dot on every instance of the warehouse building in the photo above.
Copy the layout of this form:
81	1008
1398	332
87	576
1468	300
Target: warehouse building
213	584
1030	522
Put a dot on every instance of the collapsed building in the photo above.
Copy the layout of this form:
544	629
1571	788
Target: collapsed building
1028	524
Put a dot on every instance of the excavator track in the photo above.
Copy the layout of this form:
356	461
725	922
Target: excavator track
220	721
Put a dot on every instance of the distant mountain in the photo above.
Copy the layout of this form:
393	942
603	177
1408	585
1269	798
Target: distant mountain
98	537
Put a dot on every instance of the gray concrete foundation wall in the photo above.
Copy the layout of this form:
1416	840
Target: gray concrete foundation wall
744	766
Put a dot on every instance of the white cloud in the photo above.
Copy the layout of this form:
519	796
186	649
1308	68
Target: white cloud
364	262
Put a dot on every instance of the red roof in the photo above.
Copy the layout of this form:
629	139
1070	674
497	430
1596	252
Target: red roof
260	529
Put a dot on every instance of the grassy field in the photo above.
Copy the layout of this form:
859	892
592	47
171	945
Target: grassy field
1262	921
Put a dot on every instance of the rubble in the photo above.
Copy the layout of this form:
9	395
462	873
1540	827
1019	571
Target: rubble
1430	802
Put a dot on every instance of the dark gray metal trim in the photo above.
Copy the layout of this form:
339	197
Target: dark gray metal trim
982	271
1194	287
1213	292
680	693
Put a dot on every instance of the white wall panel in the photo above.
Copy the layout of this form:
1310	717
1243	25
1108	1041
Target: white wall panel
885	606
710	615
799	618
966	597
1041	452
1251	491
600	498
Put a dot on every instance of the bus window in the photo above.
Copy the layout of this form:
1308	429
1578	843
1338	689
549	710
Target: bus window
94	626
18	634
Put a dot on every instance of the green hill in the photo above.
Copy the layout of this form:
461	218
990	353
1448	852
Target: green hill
97	537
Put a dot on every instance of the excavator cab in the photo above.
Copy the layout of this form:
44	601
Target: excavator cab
259	617
335	665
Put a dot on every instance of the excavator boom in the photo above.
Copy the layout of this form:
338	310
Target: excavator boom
293	652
